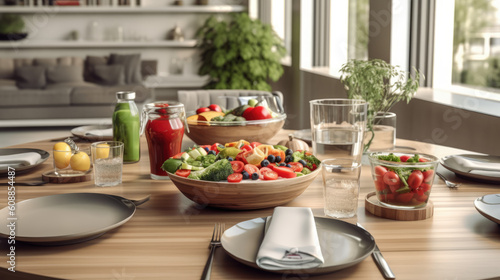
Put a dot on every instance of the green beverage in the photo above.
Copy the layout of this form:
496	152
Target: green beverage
126	126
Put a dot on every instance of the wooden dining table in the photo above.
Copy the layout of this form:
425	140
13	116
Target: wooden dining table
168	237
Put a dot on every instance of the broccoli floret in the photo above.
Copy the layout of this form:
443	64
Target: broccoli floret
309	159
207	160
390	157
414	158
218	171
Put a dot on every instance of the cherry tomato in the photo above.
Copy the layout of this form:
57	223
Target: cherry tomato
428	175
404	158
421	197
178	156
391	178
202	109
263	170
246	114
380	170
296	166
405	197
393	188
183	172
258	113
246	148
422	160
250	169
380	185
215	107
235	178
285	172
270	175
388	197
425	187
416	178
237	166
241	157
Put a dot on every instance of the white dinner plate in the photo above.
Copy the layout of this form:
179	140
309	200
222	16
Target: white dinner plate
489	206
455	164
67	218
82	130
4	152
342	244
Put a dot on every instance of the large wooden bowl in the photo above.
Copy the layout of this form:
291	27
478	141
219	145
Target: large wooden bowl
209	132
246	195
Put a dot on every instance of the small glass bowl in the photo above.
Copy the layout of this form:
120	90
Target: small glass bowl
403	185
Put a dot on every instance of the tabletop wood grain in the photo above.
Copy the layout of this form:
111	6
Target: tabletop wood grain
168	236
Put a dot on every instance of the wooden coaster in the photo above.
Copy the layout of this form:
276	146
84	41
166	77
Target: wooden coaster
51	177
373	206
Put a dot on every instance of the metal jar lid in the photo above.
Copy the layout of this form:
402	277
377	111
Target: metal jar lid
127	95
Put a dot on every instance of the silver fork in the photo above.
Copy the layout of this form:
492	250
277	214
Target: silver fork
450	184
214	243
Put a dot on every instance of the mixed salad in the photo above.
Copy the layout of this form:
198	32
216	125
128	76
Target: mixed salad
241	160
405	185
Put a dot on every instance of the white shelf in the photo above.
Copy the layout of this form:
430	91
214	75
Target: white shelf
111	10
28	44
176	81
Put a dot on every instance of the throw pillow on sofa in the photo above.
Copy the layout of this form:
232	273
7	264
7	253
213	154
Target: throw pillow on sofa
90	63
109	75
131	66
32	77
64	74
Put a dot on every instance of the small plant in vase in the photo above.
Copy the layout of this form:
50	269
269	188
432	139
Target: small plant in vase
11	27
380	84
242	53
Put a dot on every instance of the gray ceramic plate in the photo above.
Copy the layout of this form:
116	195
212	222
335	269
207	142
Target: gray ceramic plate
342	244
67	218
474	167
489	206
81	132
4	152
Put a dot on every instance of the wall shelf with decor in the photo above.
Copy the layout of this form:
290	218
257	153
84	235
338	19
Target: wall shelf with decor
122	10
27	44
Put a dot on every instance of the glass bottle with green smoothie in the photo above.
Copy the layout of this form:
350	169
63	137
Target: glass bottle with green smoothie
126	126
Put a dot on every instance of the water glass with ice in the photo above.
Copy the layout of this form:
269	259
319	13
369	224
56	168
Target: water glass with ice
337	127
107	157
341	187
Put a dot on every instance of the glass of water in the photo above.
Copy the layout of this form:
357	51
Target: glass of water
341	187
107	157
337	127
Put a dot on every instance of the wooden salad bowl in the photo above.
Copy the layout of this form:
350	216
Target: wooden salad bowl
245	195
209	132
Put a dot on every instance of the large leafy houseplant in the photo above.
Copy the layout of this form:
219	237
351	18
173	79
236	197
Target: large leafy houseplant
242	53
380	84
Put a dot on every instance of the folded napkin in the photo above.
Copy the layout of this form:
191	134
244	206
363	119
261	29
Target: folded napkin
18	160
100	132
291	240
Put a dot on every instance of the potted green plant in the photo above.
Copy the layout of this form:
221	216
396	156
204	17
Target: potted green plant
11	27
242	53
380	84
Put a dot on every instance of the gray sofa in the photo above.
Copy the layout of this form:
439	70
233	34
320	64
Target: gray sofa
69	87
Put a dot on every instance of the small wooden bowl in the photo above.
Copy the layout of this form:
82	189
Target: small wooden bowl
245	195
209	132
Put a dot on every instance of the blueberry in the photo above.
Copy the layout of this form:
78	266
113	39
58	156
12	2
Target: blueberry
288	159
221	146
278	159
271	158
264	163
255	176
303	162
245	174
282	164
230	158
206	149
288	152
211	152
288	165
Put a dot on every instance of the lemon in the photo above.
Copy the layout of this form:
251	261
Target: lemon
80	161
62	155
102	151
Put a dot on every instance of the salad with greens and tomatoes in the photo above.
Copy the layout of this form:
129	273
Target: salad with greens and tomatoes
241	160
403	179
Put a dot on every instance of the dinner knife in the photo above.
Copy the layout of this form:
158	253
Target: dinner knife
382	264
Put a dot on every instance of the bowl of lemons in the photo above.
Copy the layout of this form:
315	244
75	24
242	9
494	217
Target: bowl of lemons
70	159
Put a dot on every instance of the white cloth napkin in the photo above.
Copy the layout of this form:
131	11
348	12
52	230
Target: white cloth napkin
18	160
100	132
291	240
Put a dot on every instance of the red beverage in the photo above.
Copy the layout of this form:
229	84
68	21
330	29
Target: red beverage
164	131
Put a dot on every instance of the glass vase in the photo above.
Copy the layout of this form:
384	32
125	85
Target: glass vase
383	135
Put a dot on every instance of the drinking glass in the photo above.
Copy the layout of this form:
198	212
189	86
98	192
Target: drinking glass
341	187
107	157
337	127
